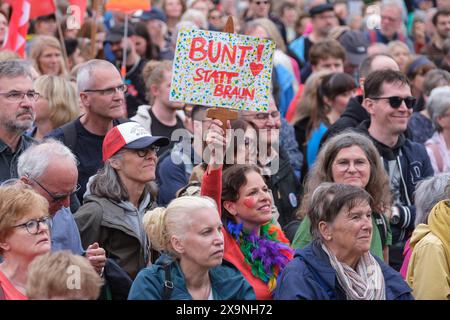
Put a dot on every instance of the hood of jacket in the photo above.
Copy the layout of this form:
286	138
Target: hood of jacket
355	110
419	233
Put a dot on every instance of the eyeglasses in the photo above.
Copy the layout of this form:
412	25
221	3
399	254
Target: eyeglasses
109	91
143	153
17	96
261	2
265	115
33	225
396	102
344	165
58	197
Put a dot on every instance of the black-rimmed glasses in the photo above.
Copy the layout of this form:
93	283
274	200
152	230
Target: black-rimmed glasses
58	197
33	225
143	153
17	96
395	102
109	91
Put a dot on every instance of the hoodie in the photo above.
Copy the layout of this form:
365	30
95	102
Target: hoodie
429	267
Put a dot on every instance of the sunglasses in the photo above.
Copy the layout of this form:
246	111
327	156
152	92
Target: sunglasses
396	102
143	153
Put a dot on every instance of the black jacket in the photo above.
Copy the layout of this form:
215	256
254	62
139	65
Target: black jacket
285	189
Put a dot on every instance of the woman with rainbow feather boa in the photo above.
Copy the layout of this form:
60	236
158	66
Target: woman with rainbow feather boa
254	243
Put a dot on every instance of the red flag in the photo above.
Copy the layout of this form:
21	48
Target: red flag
18	26
128	6
81	5
41	8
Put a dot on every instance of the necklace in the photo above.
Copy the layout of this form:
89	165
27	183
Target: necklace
267	254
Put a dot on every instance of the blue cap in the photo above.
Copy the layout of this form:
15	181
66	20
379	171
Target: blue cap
154	14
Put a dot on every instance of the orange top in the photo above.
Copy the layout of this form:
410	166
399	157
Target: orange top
212	187
11	293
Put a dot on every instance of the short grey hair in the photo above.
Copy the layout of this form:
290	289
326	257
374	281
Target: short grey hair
428	193
15	68
35	159
86	70
434	79
438	104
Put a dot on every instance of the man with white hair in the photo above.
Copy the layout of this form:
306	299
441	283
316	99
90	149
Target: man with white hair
50	168
101	93
17	99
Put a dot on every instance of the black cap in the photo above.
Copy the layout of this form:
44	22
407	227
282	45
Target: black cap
115	34
49	17
154	14
355	44
320	8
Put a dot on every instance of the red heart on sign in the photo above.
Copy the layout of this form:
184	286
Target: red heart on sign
256	68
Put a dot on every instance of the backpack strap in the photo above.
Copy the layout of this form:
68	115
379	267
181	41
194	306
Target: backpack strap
70	135
437	155
372	36
168	284
382	227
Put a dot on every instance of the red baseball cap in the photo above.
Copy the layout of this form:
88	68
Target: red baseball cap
129	135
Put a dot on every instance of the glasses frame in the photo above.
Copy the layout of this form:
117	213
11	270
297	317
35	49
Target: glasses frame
393	105
110	91
57	197
47	220
35	95
143	153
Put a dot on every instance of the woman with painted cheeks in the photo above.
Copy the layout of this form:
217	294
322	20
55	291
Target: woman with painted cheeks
254	244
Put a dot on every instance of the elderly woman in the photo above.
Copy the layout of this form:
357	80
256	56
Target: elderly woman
337	265
429	268
24	234
119	195
428	193
46	54
57	104
438	145
190	231
254	243
350	158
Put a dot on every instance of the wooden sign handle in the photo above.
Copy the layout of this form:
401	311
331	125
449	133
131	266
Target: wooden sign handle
224	114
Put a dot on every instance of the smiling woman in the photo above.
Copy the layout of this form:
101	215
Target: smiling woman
24	235
47	56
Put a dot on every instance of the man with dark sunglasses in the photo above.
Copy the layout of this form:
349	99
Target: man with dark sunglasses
388	100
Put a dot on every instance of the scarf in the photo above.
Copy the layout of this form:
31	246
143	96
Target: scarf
267	254
366	283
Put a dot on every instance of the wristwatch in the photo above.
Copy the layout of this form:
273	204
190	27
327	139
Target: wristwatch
395	216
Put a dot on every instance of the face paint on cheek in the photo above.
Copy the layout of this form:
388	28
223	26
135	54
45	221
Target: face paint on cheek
249	202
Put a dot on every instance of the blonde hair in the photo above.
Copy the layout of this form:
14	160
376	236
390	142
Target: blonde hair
153	73
39	44
62	98
271	30
161	224
50	276
16	202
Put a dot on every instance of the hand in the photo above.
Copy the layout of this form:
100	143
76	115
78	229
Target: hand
96	257
216	144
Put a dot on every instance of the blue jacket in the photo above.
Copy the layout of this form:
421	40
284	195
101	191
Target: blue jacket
310	276
226	281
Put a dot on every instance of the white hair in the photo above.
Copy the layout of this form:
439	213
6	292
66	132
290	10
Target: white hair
34	161
86	70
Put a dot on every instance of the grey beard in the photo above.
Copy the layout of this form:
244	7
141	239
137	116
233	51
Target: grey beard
15	127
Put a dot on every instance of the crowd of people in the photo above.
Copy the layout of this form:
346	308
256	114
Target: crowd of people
339	191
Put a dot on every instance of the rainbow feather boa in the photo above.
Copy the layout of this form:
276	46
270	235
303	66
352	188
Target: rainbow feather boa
267	254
